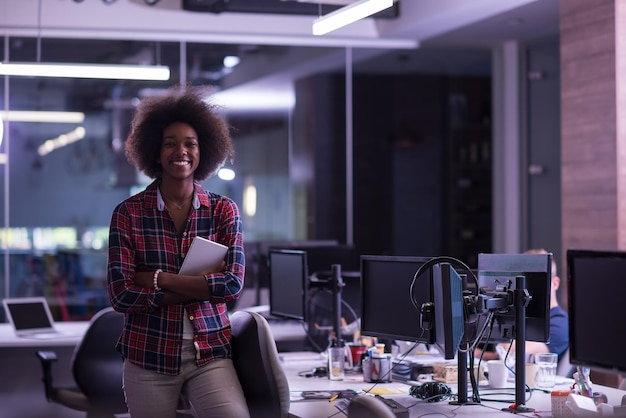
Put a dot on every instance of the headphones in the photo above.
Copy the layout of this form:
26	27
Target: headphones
316	372
427	310
431	391
427	316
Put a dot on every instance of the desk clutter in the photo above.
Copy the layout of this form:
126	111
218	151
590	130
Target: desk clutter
421	376
421	390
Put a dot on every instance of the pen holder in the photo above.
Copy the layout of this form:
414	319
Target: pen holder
377	369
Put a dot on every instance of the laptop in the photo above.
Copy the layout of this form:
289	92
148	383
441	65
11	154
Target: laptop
31	318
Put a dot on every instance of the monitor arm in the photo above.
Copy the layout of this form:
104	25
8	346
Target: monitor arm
337	286
520	302
502	300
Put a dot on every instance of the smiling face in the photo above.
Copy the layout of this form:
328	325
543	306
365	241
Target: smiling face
180	152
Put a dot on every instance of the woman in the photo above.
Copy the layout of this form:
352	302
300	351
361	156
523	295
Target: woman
176	338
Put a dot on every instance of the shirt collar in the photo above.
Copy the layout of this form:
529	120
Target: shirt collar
161	202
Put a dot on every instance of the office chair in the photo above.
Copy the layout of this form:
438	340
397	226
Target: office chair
368	407
96	367
258	366
564	368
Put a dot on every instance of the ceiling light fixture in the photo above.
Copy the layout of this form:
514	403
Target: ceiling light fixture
110	71
38	116
42	116
226	174
348	14
231	61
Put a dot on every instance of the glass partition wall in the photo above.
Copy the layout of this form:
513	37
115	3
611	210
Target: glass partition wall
60	179
365	146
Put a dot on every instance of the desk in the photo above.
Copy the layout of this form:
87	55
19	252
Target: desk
491	402
74	329
18	360
21	389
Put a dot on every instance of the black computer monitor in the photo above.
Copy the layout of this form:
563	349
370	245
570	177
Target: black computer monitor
596	289
448	309
498	270
287	283
387	311
320	258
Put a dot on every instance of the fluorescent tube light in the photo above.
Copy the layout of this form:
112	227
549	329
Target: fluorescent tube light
114	72
42	116
349	14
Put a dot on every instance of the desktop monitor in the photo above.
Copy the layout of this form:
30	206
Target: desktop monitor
320	258
596	289
287	283
496	270
387	311
448	309
257	258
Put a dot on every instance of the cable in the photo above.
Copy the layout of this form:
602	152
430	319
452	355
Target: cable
311	321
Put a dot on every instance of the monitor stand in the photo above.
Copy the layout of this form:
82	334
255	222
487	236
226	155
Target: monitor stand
462	372
521	298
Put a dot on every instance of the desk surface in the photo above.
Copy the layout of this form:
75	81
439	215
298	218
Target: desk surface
492	401
74	330
284	330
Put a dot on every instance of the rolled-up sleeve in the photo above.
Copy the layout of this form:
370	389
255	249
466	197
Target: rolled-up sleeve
124	295
227	286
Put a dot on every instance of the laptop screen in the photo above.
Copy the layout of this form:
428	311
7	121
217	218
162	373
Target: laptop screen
29	314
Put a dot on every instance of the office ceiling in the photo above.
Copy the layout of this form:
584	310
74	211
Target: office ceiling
456	39
460	46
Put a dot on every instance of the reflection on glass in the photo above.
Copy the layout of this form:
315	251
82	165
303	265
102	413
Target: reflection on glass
64	178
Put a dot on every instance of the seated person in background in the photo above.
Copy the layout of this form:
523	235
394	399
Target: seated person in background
559	336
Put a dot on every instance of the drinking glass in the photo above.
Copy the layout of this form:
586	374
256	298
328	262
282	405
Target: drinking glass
546	373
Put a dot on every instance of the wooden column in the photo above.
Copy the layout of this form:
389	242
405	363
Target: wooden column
589	125
592	125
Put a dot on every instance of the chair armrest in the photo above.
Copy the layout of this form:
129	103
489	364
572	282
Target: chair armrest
46	358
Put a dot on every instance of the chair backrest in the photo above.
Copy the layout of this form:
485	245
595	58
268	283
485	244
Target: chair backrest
258	366
96	364
368	407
